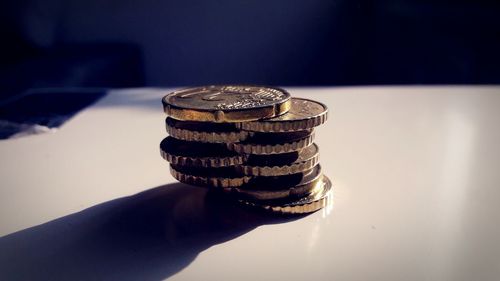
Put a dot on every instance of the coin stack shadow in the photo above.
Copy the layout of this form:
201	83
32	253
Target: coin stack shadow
268	163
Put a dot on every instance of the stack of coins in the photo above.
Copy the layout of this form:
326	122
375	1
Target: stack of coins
255	143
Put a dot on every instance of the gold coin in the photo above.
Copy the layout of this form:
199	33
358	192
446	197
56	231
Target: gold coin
307	204
277	188
211	177
273	143
179	152
228	177
226	103
303	114
204	131
280	164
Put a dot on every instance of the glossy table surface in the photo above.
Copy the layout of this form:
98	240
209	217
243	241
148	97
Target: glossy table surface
416	174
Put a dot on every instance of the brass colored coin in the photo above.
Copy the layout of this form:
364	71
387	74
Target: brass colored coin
179	152
303	114
224	177
280	164
273	143
228	177
307	204
226	103
204	131
269	191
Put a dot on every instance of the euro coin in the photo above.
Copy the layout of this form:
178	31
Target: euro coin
226	103
280	164
304	114
228	177
268	190
179	152
273	143
204	131
303	205
223	177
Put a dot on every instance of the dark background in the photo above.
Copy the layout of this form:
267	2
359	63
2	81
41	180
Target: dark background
124	43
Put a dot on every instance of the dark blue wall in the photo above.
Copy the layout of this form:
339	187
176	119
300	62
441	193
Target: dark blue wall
285	42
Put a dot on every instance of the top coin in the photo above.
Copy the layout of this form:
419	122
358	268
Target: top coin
304	114
226	103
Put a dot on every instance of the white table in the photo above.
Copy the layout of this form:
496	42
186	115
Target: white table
416	173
